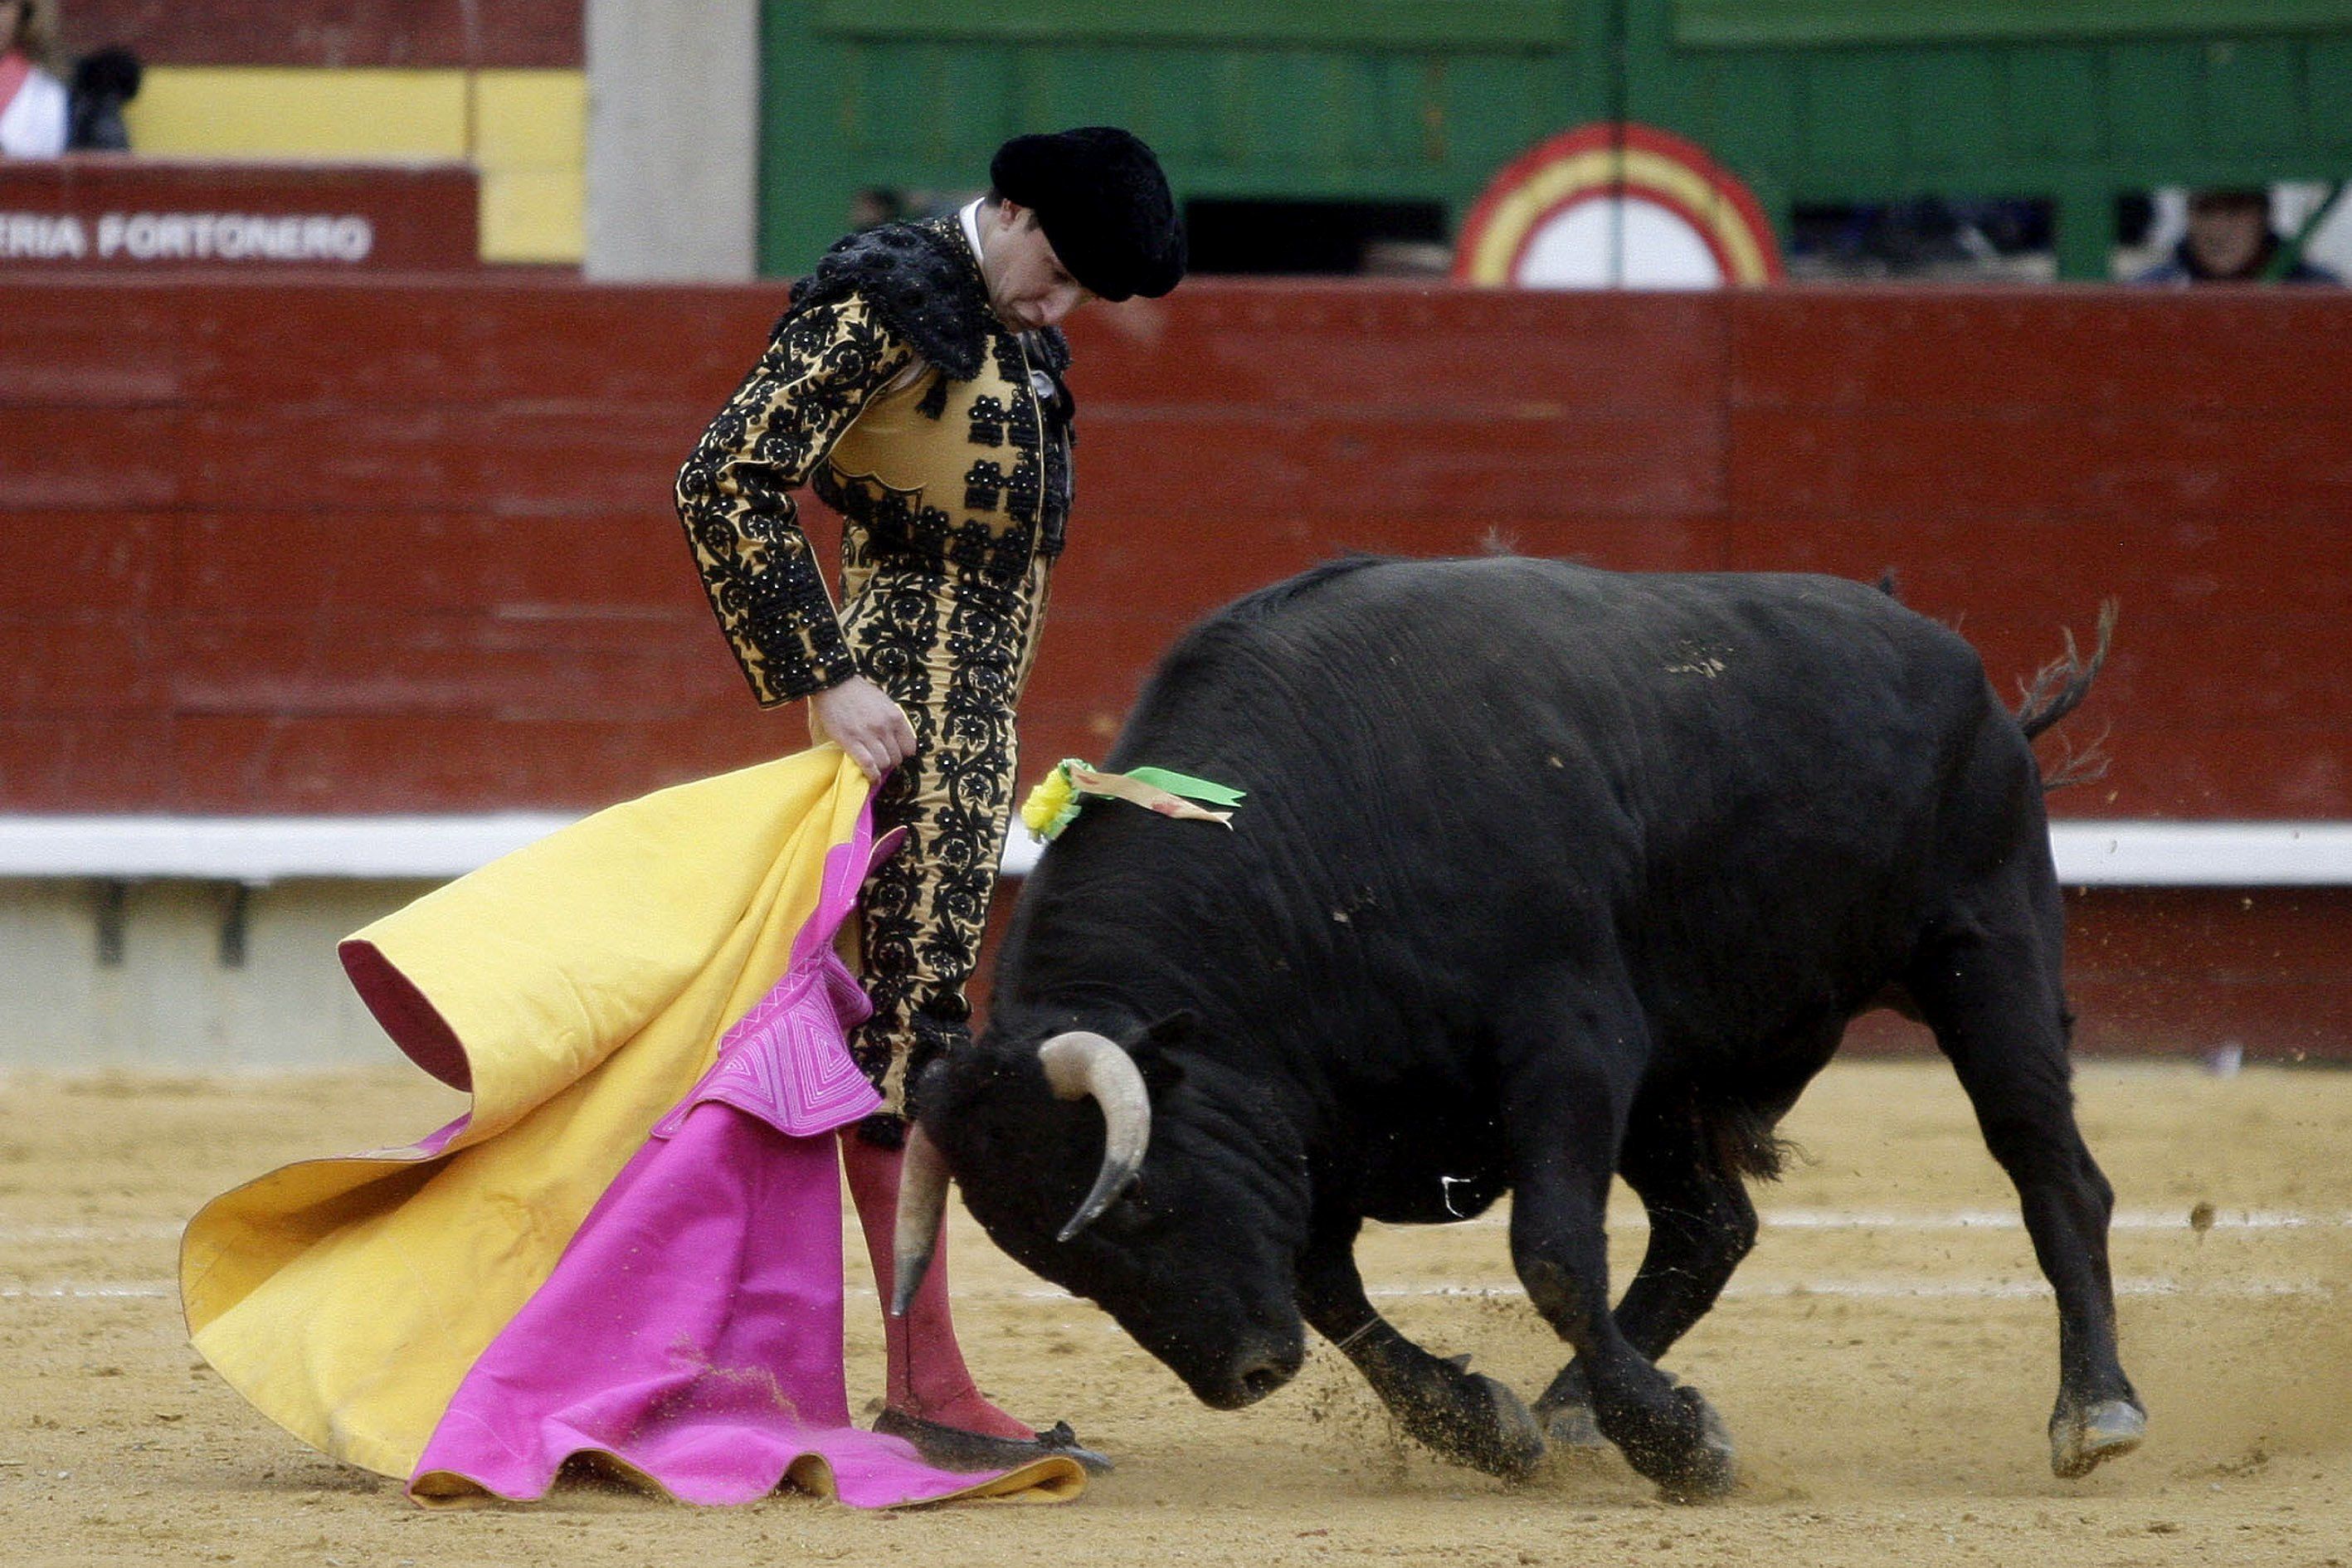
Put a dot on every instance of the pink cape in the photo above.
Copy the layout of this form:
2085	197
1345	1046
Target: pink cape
691	1333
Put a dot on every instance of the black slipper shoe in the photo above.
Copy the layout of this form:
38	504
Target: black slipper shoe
953	1449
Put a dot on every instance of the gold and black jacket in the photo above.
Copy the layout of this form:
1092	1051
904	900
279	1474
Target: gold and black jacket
941	437
943	440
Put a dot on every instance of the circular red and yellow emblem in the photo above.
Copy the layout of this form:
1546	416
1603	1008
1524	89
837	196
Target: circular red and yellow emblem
1617	207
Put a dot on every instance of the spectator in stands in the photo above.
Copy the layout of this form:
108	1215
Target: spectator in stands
2230	240
102	83
874	206
33	101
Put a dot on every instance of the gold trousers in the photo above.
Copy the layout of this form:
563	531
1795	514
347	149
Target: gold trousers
954	653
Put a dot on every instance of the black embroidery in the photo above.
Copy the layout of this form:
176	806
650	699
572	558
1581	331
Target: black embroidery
1021	490
1010	363
734	494
935	398
926	907
987	421
951	650
899	524
921	279
982	484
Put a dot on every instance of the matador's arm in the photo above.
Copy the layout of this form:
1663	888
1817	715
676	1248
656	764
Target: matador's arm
734	494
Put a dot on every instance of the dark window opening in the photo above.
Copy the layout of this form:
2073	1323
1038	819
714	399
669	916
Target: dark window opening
1305	237
1925	238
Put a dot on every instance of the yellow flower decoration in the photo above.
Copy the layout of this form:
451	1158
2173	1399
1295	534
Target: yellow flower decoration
1051	804
1054	803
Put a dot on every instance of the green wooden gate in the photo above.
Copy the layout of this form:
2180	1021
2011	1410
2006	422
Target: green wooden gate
1809	101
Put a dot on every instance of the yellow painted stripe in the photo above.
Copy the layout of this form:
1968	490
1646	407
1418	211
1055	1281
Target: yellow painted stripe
1519	211
530	133
533	151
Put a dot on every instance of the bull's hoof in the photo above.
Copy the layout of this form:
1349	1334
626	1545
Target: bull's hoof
2083	1439
1512	1444
1564	1411
1690	1457
1473	1420
1570	1430
1710	1468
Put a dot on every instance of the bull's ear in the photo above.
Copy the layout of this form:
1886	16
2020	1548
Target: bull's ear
1174	1029
1154	1055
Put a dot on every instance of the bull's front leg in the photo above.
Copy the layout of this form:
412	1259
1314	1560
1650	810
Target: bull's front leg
1465	1415
1568	1115
1702	1224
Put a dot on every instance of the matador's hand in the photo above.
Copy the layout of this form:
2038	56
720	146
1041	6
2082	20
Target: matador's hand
859	717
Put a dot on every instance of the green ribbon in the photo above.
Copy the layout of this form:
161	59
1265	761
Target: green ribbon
1061	781
1205	791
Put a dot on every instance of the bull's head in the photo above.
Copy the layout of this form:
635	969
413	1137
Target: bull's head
1143	1179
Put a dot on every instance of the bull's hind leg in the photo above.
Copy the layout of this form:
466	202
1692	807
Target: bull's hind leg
1988	987
1463	1414
1567	1111
1701	1225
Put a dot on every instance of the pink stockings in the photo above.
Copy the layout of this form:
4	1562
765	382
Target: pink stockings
926	1374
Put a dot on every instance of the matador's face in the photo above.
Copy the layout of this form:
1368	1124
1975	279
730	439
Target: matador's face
1028	288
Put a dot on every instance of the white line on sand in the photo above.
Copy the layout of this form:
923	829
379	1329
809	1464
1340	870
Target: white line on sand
1631	1219
1898	1289
2008	1219
38	1235
1869	1289
1931	1290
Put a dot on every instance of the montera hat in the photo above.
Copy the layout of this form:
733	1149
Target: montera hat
1104	205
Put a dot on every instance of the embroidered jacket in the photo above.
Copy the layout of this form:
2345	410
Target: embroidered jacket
940	436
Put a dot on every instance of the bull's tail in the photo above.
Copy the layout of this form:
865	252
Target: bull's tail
2058	689
1747	1144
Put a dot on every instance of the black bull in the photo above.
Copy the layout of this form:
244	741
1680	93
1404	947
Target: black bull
1545	874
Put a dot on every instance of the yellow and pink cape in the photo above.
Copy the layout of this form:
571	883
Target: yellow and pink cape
581	989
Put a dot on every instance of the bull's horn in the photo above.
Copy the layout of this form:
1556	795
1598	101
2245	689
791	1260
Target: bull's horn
922	1203
1081	1065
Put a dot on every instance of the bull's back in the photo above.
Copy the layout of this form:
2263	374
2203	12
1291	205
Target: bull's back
1678	697
1734	784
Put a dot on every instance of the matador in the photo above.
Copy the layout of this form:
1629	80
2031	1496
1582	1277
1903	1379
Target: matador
916	384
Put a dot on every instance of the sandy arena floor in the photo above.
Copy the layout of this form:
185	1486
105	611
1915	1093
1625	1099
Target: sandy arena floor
1886	1360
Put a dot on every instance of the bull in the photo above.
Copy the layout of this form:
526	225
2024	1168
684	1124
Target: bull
1545	875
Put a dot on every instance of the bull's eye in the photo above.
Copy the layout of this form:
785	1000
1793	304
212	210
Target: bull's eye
1131	1216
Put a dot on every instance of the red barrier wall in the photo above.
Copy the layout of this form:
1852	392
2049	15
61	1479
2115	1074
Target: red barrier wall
332	33
408	546
355	548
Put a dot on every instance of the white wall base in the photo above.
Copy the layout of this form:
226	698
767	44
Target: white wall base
286	890
169	1002
262	849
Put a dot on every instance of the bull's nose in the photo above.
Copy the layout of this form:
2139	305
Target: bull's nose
1263	1370
1261	1380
